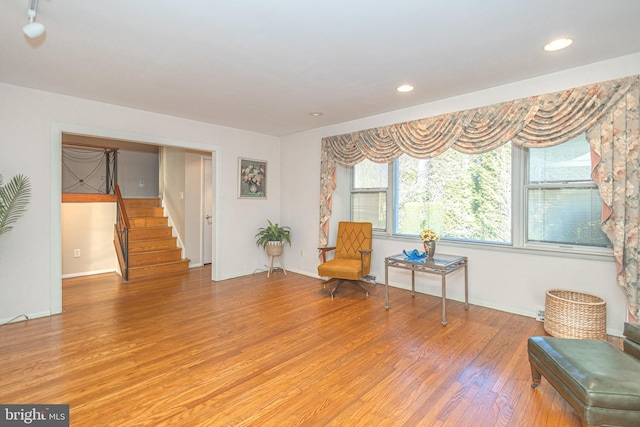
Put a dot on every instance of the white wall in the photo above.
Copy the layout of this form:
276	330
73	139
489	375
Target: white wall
135	166
514	281
173	176
32	123
88	227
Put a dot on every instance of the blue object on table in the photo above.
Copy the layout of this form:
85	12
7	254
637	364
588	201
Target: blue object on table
414	255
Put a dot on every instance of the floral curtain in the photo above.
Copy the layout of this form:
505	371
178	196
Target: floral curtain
615	145
607	111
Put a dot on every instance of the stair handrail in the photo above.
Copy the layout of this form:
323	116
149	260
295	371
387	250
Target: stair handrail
122	231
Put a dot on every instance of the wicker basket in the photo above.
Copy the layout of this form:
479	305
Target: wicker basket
274	248
571	314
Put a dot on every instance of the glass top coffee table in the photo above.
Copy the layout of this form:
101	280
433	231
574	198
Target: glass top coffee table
440	264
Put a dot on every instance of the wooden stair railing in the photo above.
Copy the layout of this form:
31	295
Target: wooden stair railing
122	232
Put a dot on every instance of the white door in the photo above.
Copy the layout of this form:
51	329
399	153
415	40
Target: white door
207	203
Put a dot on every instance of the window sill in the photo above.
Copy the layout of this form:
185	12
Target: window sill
562	251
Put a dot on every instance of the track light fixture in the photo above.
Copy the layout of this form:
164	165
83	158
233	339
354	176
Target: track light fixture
33	29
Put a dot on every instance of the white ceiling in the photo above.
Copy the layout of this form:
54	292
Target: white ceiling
263	65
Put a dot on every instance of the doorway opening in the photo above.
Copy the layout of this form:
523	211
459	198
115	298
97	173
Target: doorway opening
201	151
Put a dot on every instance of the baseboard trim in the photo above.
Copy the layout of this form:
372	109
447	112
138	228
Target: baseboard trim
23	317
88	273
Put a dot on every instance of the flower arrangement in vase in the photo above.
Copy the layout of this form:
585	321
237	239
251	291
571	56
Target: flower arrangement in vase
429	239
253	175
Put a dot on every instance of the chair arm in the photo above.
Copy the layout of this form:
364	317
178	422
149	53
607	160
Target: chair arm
363	253
323	252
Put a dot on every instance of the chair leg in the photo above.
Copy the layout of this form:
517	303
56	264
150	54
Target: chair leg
338	283
357	282
326	282
536	376
366	291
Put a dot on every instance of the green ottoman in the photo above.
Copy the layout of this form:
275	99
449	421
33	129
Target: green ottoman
601	382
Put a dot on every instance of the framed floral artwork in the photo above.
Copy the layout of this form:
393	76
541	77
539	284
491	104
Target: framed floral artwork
252	179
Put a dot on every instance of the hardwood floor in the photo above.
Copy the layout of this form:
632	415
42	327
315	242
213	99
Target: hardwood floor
184	351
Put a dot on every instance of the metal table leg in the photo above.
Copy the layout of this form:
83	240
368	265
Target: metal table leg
444	299
466	287
413	283
386	285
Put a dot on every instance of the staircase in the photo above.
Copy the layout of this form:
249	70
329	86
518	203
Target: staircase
152	249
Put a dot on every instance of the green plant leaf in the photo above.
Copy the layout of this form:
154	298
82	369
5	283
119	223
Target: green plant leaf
273	233
14	197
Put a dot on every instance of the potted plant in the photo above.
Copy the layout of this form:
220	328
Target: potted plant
14	198
272	238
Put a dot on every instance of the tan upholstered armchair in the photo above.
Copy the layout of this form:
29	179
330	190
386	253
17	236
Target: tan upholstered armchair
352	259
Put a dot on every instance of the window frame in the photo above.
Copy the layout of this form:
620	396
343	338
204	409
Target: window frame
546	246
387	231
519	220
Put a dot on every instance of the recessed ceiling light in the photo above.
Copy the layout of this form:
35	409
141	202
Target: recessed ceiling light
404	88
315	114
557	44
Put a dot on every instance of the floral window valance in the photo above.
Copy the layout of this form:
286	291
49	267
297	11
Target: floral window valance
607	112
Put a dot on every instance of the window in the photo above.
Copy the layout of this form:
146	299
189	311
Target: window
459	196
563	203
370	183
470	197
